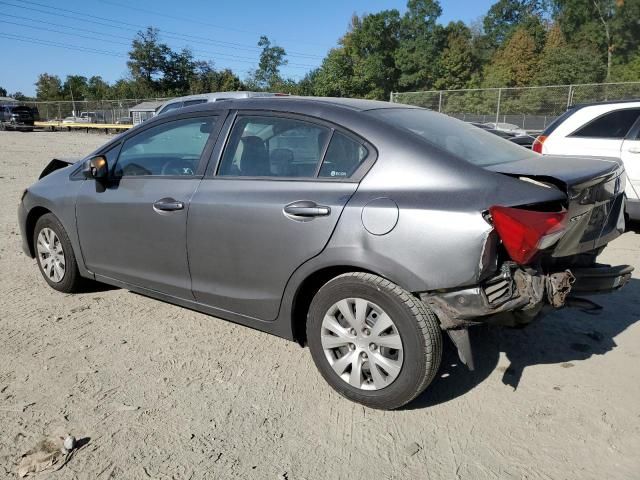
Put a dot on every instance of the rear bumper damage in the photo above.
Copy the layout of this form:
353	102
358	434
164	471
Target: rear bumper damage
516	297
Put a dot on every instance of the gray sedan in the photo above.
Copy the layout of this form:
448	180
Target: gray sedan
362	229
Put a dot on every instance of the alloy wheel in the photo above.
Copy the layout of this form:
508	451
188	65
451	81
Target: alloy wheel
51	255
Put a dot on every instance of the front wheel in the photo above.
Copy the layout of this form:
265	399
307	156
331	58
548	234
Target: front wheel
55	255
372	341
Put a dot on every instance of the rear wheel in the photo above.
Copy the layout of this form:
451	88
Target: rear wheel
55	255
372	341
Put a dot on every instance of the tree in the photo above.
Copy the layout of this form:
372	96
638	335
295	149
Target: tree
420	44
271	59
457	63
48	87
75	87
177	71
98	89
609	26
515	64
562	64
3	92
147	57
207	79
505	16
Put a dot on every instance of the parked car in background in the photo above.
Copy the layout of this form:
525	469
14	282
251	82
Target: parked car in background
525	140
16	117
363	229
607	129
507	127
85	117
189	100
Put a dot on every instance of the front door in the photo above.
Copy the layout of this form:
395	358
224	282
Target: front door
133	228
272	205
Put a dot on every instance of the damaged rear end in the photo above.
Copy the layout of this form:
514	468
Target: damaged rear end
545	253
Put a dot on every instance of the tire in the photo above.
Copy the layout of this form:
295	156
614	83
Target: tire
416	361
70	281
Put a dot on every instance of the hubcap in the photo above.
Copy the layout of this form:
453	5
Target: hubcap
362	344
51	255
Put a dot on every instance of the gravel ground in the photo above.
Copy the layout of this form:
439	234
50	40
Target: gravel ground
164	392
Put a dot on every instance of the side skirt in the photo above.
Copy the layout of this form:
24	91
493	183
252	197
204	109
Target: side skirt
276	327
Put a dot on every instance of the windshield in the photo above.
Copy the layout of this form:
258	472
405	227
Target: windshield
459	138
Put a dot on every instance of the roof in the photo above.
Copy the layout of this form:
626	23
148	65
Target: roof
606	102
221	95
295	103
7	100
147	106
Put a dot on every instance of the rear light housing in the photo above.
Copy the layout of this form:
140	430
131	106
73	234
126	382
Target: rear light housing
537	143
525	232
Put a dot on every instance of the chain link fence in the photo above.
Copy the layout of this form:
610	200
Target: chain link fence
95	111
531	108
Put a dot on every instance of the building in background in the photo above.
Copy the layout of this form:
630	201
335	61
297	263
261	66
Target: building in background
144	111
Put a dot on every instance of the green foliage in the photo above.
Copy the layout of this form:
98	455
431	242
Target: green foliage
48	87
517	43
515	64
3	92
421	40
457	62
272	58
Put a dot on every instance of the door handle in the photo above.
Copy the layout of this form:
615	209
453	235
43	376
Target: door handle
306	209
167	205
634	150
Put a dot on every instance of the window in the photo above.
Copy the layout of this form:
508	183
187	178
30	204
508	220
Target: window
343	157
172	148
171	106
273	147
112	156
611	125
194	102
456	137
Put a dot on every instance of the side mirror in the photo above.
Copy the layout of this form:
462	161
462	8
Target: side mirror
96	168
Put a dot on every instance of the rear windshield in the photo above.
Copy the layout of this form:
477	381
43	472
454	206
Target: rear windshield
459	138
556	123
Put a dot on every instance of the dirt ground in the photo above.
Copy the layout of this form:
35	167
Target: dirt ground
163	392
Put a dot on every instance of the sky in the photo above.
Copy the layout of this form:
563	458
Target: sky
92	37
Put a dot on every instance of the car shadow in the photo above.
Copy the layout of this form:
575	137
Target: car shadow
95	287
560	338
633	226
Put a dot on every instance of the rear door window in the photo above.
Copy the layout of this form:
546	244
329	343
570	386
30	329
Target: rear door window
273	147
343	157
612	125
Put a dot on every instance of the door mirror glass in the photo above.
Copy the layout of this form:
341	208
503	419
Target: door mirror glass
96	168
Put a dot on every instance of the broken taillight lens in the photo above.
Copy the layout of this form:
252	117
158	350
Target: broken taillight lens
525	232
537	143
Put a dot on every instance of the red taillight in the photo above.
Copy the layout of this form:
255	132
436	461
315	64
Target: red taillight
537	143
525	232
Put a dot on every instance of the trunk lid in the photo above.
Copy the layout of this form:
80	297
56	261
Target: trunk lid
595	202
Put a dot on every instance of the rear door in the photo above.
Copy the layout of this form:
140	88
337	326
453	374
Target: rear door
133	229
272	204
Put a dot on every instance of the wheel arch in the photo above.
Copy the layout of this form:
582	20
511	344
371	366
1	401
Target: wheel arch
308	288
30	225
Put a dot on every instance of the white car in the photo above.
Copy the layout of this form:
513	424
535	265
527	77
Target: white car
608	129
